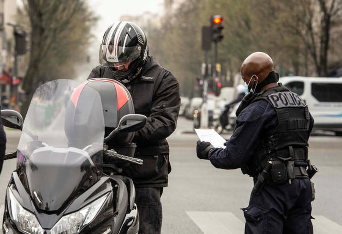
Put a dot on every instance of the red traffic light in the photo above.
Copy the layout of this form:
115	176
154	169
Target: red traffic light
219	85
217	20
216	28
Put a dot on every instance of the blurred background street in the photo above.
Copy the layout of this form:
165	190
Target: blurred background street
203	43
201	198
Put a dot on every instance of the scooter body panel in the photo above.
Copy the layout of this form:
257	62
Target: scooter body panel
114	216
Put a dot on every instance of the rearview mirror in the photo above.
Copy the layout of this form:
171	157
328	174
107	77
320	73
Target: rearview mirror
128	123
12	119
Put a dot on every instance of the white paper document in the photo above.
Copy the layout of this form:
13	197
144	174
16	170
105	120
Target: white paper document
210	135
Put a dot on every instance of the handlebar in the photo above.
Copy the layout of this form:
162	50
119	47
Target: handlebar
10	155
113	154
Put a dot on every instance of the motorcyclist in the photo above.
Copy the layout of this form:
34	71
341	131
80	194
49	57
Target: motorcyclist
224	120
155	91
270	144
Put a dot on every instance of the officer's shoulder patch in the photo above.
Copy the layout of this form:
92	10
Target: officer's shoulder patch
286	99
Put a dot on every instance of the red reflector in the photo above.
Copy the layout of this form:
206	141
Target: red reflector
121	95
76	94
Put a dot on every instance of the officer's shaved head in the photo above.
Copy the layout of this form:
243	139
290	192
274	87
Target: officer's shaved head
259	64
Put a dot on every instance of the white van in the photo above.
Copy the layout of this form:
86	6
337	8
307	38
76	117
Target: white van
323	95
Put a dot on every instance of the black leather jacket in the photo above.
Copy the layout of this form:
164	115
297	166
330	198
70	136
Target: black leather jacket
155	94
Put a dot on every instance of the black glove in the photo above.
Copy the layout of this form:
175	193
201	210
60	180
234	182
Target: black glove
203	148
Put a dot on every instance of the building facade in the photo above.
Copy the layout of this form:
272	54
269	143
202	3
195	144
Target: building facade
9	82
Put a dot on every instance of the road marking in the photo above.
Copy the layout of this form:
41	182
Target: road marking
323	225
228	223
217	222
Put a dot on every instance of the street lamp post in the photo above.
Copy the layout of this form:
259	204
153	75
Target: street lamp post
20	49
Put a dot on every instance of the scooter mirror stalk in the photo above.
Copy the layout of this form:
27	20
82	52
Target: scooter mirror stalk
128	123
12	119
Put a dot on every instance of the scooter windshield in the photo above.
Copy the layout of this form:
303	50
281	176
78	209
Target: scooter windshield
62	114
63	129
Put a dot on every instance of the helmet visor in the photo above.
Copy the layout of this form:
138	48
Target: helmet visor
113	56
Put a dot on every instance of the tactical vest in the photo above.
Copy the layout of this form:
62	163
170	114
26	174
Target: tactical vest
287	146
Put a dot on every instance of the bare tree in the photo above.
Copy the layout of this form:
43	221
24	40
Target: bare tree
60	29
310	20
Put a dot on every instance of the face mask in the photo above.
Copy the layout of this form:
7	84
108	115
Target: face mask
246	89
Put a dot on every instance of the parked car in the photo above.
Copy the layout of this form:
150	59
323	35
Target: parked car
184	103
323	95
192	105
211	114
214	109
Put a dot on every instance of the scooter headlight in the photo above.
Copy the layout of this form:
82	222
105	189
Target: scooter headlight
72	223
24	220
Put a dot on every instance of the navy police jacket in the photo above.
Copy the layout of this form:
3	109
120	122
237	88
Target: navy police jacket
256	120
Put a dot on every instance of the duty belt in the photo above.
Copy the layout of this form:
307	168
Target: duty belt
300	173
267	176
297	154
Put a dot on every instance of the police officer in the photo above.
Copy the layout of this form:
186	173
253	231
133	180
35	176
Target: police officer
155	92
270	143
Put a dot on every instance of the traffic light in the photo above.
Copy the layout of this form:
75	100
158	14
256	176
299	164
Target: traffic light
216	28
20	41
206	38
218	85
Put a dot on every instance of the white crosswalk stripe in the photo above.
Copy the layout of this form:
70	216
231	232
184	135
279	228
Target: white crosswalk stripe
217	222
228	223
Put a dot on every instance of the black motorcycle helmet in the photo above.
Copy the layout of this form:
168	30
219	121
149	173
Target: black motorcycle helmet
124	41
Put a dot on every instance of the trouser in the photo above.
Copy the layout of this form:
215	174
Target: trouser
149	209
282	209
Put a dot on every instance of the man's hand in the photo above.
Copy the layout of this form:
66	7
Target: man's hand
203	148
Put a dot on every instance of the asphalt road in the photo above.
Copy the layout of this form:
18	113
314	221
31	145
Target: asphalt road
203	199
